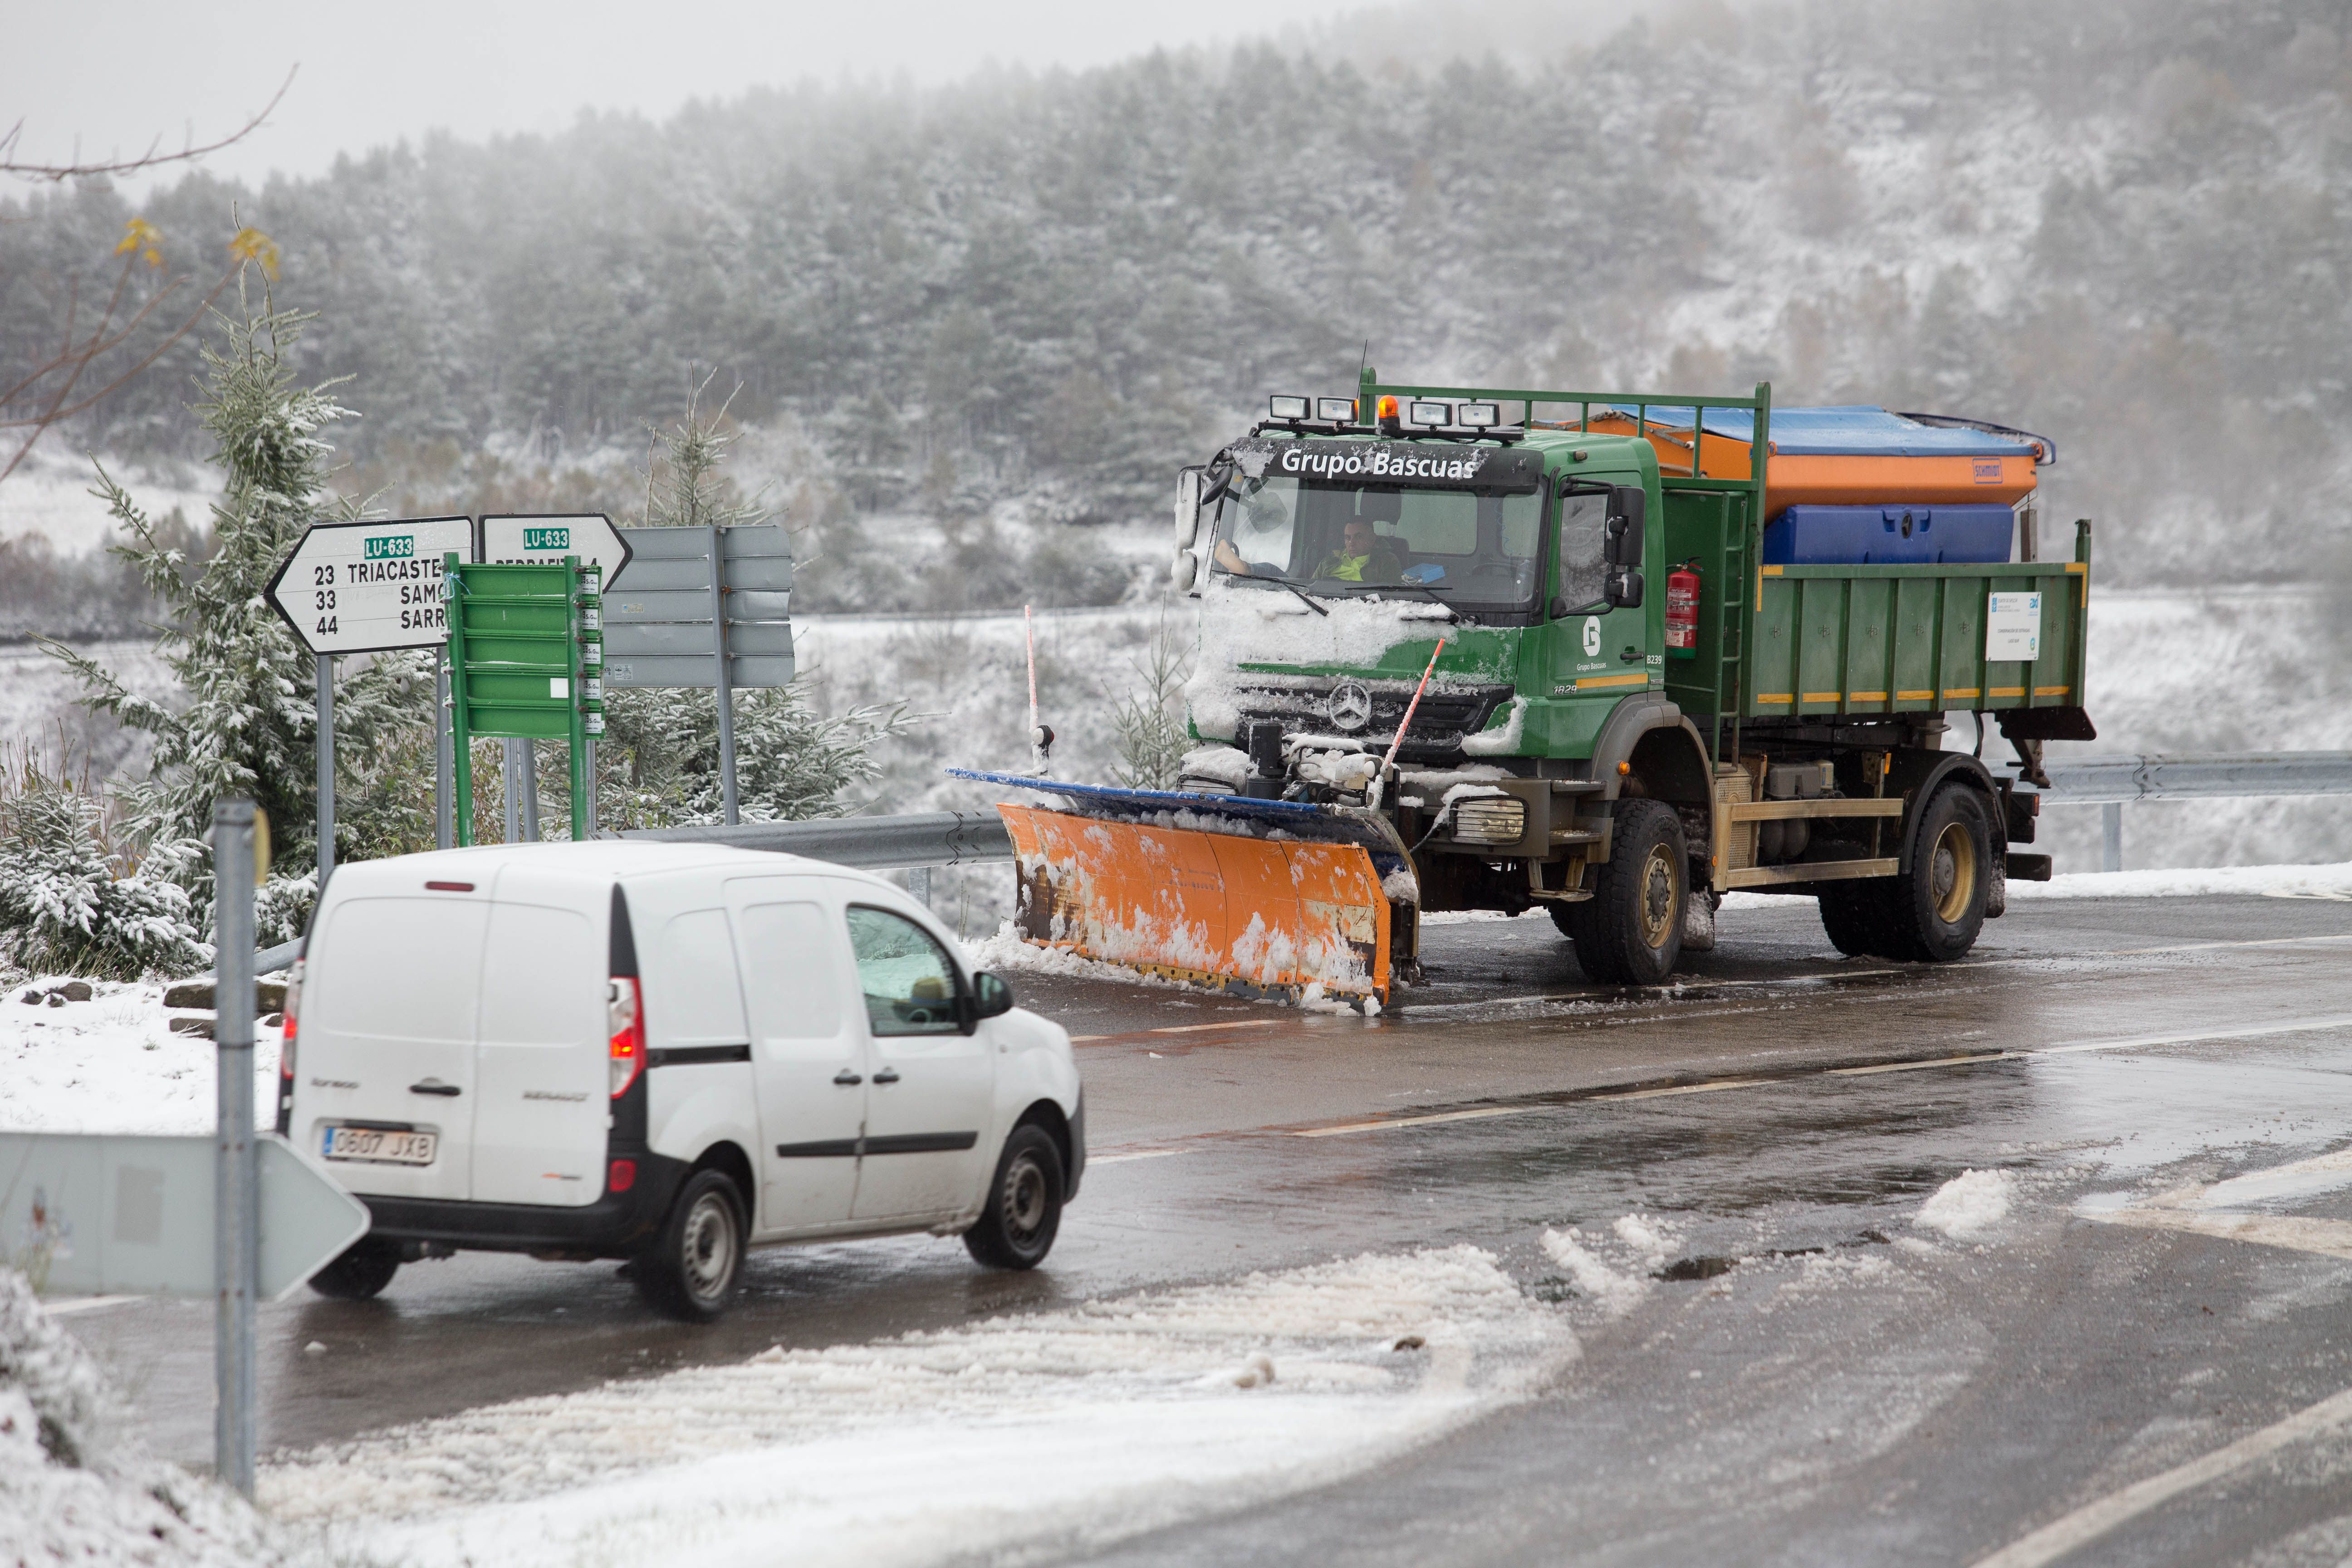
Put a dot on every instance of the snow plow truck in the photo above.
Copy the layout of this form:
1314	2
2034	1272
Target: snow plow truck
1608	656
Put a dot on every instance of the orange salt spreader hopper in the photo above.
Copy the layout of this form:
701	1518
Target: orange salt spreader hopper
1854	455
1264	898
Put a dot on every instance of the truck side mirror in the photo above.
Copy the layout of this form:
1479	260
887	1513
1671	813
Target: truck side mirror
1625	588
1628	509
1188	508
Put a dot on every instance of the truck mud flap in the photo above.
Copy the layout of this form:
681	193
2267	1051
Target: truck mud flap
1260	915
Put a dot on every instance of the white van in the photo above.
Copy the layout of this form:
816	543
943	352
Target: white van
665	1053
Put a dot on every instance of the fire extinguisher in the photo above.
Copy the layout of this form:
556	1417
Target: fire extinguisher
1682	611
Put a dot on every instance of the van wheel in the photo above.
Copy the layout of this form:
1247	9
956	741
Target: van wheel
365	1268
1024	1209
690	1270
1630	932
1938	906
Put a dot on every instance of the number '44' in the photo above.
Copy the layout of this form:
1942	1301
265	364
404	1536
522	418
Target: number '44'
326	626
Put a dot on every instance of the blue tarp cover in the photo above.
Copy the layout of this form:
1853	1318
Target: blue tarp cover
1852	430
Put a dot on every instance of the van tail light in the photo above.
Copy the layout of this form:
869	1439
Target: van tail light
624	1176
286	1040
625	1021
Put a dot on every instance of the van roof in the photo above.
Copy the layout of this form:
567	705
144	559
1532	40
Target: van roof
595	860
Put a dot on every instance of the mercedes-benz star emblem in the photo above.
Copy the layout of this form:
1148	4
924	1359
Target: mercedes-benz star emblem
1352	706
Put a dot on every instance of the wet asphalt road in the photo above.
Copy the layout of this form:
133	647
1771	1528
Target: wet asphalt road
1816	1379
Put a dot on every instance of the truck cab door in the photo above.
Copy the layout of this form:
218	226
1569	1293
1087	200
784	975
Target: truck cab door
1599	632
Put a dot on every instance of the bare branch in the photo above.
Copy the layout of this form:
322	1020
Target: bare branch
149	159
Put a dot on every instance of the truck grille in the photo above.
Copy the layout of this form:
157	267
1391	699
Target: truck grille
1444	720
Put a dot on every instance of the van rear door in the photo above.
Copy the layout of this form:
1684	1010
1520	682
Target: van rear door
387	1043
540	1119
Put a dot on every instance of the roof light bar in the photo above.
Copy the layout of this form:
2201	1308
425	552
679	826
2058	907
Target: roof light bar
1428	413
1479	416
1287	408
1336	410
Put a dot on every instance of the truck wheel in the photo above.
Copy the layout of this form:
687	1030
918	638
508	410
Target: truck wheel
1630	932
1855	916
1023	1207
689	1271
1938	906
363	1271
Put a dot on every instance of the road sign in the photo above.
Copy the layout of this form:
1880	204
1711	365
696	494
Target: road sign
364	587
95	1214
526	661
658	630
546	540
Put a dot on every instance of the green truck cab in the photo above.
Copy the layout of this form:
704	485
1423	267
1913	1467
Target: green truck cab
1560	672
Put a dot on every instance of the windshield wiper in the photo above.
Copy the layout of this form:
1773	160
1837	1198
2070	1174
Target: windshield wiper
1430	590
1313	603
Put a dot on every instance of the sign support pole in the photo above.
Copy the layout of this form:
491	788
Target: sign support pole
461	734
326	768
723	690
236	1182
512	790
443	830
527	756
573	587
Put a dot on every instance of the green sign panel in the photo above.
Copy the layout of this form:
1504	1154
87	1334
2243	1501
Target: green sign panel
526	661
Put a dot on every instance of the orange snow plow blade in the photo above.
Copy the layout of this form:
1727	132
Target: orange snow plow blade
1263	917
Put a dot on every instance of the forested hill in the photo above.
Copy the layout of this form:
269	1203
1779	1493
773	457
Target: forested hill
2120	222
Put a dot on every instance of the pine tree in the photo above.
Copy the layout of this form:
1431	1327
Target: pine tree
249	725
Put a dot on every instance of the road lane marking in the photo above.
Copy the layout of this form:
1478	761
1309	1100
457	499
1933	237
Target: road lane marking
1094	1159
1707	1087
1177	1029
2298	1233
2209	946
84	1304
2087	1523
1560	1100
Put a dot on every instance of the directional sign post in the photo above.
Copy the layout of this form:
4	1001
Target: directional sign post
525	661
704	606
363	587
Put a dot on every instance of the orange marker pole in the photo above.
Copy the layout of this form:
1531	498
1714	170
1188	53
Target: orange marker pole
1390	761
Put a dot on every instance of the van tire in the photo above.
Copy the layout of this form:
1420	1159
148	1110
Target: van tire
1630	932
361	1272
690	1269
1023	1210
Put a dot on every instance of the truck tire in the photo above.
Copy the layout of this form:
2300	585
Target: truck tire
361	1272
1857	920
691	1269
1023	1210
1630	932
1938	907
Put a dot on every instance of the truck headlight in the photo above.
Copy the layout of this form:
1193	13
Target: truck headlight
1431	413
1286	408
1490	820
1337	410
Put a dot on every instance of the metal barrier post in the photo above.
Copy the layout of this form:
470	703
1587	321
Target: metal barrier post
2111	836
236	1185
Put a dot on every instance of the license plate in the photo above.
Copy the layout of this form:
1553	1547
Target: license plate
376	1146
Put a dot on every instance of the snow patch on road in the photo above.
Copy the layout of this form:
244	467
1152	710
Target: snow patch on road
2331	881
1617	1293
1056	1432
1968	1205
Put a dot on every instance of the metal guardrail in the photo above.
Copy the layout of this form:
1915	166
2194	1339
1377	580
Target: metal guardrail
2110	782
867	842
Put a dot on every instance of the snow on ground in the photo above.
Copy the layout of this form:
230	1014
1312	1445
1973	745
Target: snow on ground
1969	1206
1618	1291
76	1486
50	495
113	1065
1042	1433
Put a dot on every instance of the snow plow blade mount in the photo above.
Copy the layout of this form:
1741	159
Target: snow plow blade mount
1269	899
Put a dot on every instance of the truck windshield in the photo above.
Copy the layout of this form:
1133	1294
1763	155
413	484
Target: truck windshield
1476	550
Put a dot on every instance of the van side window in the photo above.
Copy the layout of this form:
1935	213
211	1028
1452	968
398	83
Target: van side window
909	983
